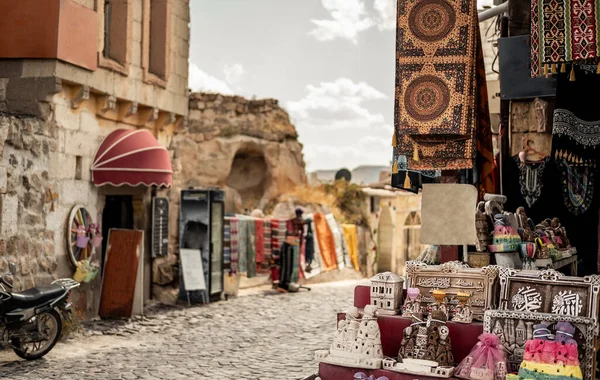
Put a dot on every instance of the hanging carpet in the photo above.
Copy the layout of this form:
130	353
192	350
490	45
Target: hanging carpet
351	236
563	31
441	110
326	243
234	242
530	179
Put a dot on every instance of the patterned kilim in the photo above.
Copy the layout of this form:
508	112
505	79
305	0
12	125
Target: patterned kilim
437	86
563	31
227	244
234	243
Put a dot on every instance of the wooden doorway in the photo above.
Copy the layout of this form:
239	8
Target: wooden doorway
117	213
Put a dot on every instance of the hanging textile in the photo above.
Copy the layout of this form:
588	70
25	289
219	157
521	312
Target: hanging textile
316	265
576	137
351	236
234	227
226	244
337	238
251	250
563	31
411	180
326	243
278	228
259	241
530	178
441	113
267	233
243	244
309	243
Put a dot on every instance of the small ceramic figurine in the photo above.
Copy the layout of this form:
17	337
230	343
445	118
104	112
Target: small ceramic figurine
523	225
462	312
357	342
482	228
412	304
409	337
560	233
439	347
440	303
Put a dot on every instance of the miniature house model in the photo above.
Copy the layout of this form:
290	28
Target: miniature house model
386	293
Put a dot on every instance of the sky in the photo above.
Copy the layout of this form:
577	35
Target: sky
330	63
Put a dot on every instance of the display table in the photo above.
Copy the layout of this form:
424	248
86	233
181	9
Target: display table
568	261
464	337
335	372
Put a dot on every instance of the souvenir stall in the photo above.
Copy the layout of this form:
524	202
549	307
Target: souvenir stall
512	304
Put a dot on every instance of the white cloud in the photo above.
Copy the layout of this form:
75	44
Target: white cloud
234	73
338	129
348	19
337	104
369	150
386	14
204	82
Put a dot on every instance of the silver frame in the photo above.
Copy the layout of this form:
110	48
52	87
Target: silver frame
587	326
551	277
486	279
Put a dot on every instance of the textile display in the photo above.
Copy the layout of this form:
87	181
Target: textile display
351	236
563	31
259	241
441	111
267	233
326	243
411	180
316	265
337	239
345	250
289	265
576	137
278	229
251	250
243	245
226	244
234	243
530	178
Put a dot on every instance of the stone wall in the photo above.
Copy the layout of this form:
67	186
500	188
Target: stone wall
26	237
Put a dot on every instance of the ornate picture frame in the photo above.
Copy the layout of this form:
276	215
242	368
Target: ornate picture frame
453	277
515	328
549	291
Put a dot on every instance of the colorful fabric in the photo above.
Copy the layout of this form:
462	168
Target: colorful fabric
337	238
437	86
226	244
563	31
351	236
259	241
578	182
530	178
243	245
326	243
411	180
313	267
267	233
251	250
234	228
278	229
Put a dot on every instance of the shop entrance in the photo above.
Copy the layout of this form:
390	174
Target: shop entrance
117	213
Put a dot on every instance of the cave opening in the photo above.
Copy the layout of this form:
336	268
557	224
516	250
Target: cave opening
249	176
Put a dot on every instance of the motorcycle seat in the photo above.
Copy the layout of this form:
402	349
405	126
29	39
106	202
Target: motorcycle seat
37	296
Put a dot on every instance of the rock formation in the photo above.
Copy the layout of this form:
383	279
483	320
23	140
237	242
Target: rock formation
248	147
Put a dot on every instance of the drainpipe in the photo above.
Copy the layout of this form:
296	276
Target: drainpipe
493	12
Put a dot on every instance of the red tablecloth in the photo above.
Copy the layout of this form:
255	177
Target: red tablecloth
334	372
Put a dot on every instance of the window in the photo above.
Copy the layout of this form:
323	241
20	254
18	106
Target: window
389	304
159	31
115	30
374	204
78	167
116	34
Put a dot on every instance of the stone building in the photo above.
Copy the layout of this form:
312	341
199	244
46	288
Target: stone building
71	73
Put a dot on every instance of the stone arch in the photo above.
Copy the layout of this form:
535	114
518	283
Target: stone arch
249	175
413	219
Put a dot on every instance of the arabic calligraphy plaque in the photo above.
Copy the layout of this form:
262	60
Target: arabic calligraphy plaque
455	277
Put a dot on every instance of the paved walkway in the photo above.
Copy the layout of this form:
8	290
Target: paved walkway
263	335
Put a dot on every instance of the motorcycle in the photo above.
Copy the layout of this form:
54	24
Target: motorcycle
30	320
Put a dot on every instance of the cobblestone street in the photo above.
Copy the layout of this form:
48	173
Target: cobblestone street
258	336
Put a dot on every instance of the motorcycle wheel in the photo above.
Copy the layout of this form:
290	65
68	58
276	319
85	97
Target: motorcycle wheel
33	351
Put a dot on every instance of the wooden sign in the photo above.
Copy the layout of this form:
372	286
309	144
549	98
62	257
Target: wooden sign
453	277
515	328
549	291
122	284
192	269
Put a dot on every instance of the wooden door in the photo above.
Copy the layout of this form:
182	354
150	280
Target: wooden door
123	255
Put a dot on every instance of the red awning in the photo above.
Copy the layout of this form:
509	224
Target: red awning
132	157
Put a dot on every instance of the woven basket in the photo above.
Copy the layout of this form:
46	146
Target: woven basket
478	260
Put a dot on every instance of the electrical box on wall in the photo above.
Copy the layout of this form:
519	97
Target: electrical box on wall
515	71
